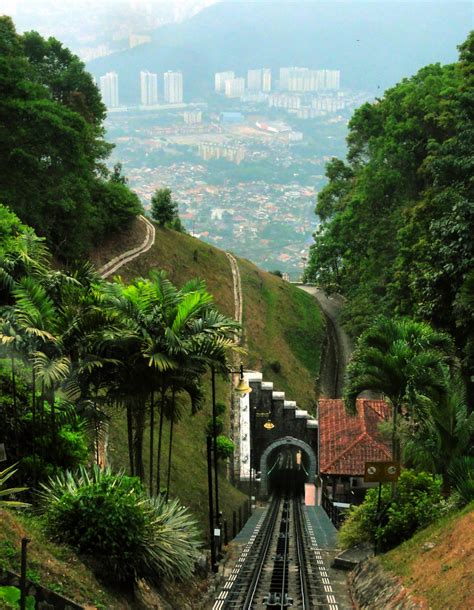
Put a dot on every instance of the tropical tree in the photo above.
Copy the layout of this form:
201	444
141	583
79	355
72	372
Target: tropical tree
403	359
163	209
170	338
443	435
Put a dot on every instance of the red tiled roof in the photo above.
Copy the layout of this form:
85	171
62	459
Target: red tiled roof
346	442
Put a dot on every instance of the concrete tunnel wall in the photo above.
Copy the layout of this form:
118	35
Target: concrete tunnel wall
282	442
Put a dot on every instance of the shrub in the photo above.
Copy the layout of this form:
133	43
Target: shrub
417	503
125	534
44	455
225	447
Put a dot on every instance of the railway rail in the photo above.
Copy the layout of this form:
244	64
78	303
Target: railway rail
280	568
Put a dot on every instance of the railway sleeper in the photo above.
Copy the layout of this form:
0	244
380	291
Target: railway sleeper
274	600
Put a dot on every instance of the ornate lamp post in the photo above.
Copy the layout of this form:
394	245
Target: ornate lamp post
241	389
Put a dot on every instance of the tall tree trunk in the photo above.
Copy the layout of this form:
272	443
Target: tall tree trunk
42	425
139	412
15	408
160	437
152	438
395	442
170	448
130	438
51	397
33	421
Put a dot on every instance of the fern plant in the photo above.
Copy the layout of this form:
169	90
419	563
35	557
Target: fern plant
126	534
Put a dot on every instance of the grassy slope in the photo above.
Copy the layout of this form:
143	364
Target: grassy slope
53	566
437	564
281	324
59	569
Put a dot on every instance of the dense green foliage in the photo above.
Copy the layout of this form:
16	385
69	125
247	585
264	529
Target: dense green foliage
10	596
165	210
417	503
225	447
397	216
29	437
74	345
53	151
125	534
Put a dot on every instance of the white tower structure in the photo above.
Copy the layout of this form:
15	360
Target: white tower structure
109	89
254	80
266	80
235	87
173	87
220	78
148	88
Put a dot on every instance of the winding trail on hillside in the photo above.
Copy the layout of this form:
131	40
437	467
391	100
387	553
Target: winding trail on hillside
238	300
234	467
338	347
129	255
105	271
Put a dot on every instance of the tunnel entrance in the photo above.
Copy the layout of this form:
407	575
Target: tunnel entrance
288	471
286	465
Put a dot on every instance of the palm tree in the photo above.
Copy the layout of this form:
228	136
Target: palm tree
171	337
444	435
140	346
403	359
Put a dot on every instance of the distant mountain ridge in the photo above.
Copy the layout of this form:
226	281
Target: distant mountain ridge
374	44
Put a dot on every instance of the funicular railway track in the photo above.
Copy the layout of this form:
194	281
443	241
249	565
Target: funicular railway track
280	569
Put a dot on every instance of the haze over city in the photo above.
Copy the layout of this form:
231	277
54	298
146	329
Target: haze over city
237	304
237	106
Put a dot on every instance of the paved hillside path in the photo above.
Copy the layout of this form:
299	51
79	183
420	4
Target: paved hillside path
238	301
105	271
129	255
234	467
338	346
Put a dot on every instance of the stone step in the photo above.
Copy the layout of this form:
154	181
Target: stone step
278	395
267	385
254	376
301	414
312	423
289	404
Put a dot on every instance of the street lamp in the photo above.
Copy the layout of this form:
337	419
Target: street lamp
241	389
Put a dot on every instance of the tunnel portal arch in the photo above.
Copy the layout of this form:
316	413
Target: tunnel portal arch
283	442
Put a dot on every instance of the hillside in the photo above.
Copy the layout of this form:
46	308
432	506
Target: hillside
437	564
283	332
374	44
59	569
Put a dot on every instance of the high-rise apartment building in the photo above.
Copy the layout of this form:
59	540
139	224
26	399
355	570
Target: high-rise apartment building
220	78
284	78
266	80
148	88
173	87
254	80
235	87
302	80
109	89
333	79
